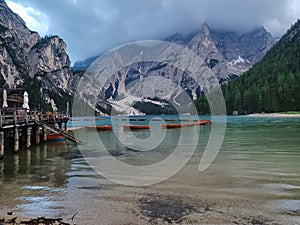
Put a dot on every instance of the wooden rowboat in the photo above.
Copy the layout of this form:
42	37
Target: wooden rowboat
138	119
55	137
173	125
208	121
103	127
170	120
70	129
136	127
203	122
177	125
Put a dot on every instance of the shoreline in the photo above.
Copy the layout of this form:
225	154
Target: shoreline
274	115
20	219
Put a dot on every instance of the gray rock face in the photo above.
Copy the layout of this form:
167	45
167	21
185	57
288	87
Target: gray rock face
226	54
42	66
48	58
32	62
14	46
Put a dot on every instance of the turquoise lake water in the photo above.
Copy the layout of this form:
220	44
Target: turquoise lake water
255	172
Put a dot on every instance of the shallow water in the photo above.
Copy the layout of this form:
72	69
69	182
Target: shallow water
255	173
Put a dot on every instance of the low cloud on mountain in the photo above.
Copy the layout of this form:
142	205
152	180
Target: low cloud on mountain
93	26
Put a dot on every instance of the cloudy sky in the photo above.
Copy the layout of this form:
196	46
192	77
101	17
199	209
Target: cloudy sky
90	27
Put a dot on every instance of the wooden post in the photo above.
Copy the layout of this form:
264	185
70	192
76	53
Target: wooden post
37	135
41	116
28	158
15	117
1	144
28	137
67	111
23	135
1	119
38	154
44	135
28	134
1	166
16	139
45	151
16	164
16	133
35	116
59	124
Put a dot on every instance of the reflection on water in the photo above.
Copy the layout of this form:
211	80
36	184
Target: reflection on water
257	170
32	179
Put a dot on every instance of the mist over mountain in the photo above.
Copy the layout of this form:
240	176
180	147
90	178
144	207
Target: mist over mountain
272	85
226	54
41	65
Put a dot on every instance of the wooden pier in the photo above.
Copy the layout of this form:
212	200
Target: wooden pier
20	128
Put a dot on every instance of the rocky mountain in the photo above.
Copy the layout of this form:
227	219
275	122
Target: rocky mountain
226	54
271	85
42	67
38	64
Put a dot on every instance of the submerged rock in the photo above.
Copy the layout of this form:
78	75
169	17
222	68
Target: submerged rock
164	208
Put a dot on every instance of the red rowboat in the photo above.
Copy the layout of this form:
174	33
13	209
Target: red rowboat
103	127
136	127
173	125
55	137
203	122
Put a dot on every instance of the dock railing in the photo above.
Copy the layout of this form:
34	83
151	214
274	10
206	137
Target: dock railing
17	122
18	116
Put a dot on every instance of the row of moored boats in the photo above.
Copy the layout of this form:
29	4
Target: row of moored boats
145	127
189	123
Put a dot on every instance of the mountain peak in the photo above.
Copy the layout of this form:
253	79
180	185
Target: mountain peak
31	62
293	33
224	54
8	18
205	29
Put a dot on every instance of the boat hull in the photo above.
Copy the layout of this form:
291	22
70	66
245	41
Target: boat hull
55	137
203	122
104	127
136	127
172	126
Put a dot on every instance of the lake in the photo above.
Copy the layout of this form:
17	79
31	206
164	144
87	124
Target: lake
255	178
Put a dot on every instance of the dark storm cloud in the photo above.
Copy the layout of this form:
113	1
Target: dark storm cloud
93	26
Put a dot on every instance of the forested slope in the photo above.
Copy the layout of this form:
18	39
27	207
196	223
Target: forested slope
272	85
